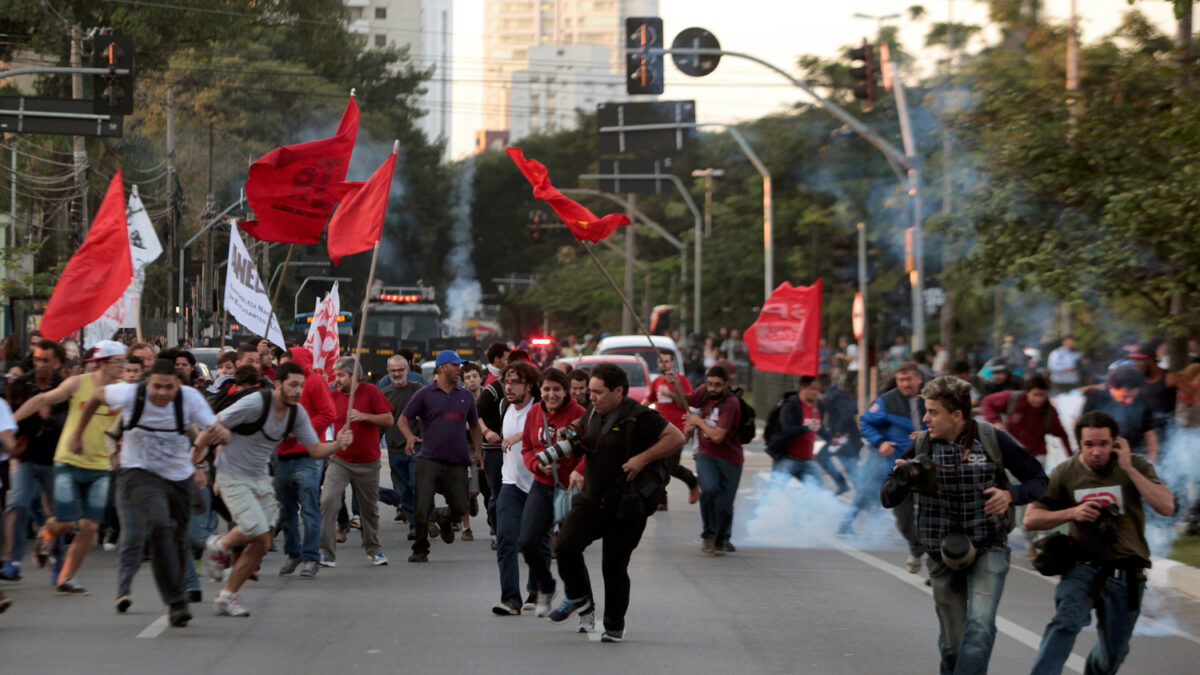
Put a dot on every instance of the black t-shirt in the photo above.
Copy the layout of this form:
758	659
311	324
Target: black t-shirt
603	469
488	406
1134	419
42	433
398	398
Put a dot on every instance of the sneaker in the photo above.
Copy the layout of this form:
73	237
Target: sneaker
399	517
412	535
842	489
289	566
10	571
434	531
326	562
505	609
195	596
215	560
42	547
729	548
544	600
708	546
913	564
227	604
69	587
5	603
447	531
473	506
613	636
569	607
356	523
342	533
530	602
378	559
694	494
180	616
123	604
587	622
109	546
308	569
494	544
418	558
468	535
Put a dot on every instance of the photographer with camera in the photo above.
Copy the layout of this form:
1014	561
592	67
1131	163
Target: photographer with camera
622	442
1100	492
956	469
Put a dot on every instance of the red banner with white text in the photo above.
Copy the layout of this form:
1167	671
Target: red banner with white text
786	336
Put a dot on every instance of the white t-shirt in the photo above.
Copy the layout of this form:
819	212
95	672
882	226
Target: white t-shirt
7	423
154	444
249	456
514	471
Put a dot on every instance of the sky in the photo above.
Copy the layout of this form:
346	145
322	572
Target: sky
777	31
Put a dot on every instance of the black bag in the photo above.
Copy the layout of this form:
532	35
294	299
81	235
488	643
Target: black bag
1056	554
139	406
746	428
251	428
774	426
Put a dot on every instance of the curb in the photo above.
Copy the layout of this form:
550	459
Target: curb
1174	574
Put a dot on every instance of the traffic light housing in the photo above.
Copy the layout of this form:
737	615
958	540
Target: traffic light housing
644	70
866	76
113	93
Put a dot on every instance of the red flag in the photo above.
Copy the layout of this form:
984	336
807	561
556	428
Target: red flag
583	223
787	334
289	187
358	222
99	272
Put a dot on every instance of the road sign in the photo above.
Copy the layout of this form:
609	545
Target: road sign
26	115
672	127
696	65
644	186
643	69
857	318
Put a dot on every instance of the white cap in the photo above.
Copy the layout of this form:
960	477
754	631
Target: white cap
106	349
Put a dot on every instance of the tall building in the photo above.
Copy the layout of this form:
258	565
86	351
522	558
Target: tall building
513	27
559	81
426	28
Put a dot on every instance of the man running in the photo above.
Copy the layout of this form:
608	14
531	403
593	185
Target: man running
156	468
259	421
80	474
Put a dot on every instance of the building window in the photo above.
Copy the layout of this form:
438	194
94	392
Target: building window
381	12
380	40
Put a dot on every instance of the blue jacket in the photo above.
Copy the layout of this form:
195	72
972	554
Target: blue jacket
888	420
838	411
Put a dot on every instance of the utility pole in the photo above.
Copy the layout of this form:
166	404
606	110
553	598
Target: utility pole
79	150
861	385
1073	110
177	275
708	175
626	315
946	318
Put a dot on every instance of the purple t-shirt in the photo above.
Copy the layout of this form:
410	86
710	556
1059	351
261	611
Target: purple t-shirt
444	417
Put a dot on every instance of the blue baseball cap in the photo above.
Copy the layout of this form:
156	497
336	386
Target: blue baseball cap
448	356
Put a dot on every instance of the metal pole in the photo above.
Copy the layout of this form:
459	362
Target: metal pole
275	298
627	311
914	195
177	276
79	153
362	329
861	385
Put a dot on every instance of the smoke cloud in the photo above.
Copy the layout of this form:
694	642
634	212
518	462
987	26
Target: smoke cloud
464	294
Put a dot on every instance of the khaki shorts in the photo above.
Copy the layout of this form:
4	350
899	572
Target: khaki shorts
251	502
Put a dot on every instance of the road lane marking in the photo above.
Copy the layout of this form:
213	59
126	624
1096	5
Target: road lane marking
157	626
1019	633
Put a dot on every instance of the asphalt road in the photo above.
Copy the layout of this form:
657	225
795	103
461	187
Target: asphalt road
793	599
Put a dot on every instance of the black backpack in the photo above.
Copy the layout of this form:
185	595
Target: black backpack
746	429
774	426
251	428
139	406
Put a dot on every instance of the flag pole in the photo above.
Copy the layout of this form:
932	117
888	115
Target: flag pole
587	246
362	329
224	326
275	298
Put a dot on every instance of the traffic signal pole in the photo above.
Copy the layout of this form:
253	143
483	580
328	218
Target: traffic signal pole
914	196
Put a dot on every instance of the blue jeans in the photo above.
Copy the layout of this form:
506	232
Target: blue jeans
1073	607
800	469
537	519
29	481
298	489
79	494
718	489
404	479
509	507
966	602
493	461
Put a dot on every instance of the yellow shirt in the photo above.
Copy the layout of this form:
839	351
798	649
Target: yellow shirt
95	453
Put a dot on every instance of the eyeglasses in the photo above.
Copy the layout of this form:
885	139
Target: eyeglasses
513	383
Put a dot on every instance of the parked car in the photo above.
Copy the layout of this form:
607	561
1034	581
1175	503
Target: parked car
207	356
635	367
636	345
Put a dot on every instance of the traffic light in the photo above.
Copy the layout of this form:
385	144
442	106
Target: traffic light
113	93
865	76
644	70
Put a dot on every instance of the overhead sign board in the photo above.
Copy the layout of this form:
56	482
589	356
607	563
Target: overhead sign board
618	169
652	127
27	115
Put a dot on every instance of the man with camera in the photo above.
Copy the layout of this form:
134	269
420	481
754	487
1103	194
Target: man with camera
622	442
1100	492
956	469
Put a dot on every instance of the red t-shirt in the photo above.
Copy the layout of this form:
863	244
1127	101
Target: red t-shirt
802	446
660	394
367	399
725	414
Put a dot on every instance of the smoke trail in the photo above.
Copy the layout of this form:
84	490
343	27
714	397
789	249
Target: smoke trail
464	294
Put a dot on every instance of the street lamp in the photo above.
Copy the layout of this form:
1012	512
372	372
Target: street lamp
878	19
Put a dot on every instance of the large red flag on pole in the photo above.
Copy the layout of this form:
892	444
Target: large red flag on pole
357	224
289	187
584	224
99	272
786	337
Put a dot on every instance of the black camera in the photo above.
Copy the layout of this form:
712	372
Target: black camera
570	444
915	474
1107	521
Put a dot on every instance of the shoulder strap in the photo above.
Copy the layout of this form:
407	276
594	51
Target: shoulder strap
1013	397
291	423
922	445
179	410
139	405
991	447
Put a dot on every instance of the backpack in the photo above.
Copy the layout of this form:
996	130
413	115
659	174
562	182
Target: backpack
746	428
991	448
139	406
251	428
774	426
1015	396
